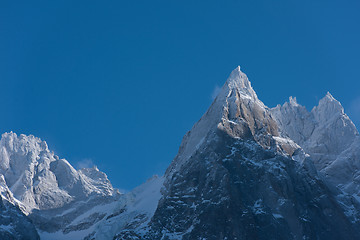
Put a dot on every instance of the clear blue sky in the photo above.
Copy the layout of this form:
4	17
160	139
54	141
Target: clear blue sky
118	83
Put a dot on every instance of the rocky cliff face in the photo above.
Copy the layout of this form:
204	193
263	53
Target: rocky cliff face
244	171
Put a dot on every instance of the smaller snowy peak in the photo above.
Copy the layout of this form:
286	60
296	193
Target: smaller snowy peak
324	133
41	180
290	108
330	114
328	106
293	101
301	125
98	181
293	120
291	105
48	190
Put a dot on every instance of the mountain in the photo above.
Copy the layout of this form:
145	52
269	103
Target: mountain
48	190
329	136
244	171
239	176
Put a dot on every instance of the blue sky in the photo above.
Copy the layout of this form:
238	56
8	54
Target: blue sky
118	83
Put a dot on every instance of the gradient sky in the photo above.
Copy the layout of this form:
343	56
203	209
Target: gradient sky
118	83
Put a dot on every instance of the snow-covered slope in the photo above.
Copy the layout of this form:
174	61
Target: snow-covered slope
131	217
13	222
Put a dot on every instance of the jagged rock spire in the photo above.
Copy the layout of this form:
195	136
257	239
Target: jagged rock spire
328	106
238	81
236	110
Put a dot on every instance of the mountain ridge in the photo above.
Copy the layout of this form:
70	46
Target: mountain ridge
244	171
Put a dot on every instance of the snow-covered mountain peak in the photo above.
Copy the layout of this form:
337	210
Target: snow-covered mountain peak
238	141
329	100
238	81
293	101
40	180
237	111
329	95
23	143
324	133
47	188
328	108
